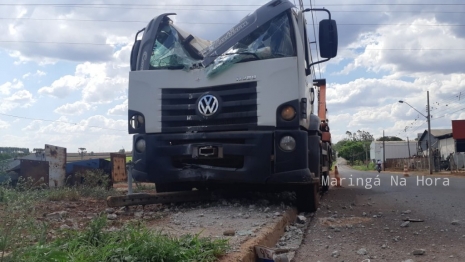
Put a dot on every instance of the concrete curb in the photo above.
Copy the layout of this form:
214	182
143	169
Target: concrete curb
267	236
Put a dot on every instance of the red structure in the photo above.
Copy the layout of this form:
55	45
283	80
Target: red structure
458	133
458	129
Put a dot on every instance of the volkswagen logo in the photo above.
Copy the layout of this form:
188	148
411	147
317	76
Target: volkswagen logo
208	105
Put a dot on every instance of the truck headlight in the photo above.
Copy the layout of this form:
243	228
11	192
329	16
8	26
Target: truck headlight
140	145
136	121
287	143
288	113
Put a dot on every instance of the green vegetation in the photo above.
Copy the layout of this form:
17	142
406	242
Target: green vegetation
363	167
23	237
356	147
133	242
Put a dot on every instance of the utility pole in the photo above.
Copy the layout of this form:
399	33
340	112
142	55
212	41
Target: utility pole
384	153
408	146
366	156
430	149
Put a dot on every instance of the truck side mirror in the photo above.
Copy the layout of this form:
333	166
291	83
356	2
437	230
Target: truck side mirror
134	54
328	38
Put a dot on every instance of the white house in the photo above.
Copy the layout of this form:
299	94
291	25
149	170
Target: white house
393	149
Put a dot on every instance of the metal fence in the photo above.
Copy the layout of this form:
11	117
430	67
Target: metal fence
417	163
457	162
454	163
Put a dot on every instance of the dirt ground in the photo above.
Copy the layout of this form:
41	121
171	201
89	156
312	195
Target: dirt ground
245	221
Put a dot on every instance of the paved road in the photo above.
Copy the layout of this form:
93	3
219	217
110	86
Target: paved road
367	220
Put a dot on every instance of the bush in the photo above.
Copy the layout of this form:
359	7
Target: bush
59	194
94	183
93	178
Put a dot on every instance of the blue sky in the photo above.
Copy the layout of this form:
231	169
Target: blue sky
68	62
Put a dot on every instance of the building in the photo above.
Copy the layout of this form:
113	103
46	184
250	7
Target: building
393	149
458	133
442	143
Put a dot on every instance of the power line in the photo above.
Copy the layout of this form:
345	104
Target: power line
208	5
447	108
450	113
203	23
122	5
59	121
360	49
51	42
332	11
453	99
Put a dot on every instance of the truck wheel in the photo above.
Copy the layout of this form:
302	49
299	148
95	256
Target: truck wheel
308	198
325	182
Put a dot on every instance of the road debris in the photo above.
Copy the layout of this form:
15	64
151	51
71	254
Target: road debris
413	220
405	224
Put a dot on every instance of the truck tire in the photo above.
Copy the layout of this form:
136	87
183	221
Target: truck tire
308	198
314	155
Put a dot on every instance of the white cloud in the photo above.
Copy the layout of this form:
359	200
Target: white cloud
37	73
22	97
426	45
62	87
100	82
96	133
121	109
5	89
4	125
76	108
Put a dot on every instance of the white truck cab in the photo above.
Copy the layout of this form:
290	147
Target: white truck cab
237	111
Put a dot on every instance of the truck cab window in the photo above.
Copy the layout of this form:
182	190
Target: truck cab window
168	53
273	39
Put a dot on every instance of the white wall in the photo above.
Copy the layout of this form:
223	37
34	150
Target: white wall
446	147
394	149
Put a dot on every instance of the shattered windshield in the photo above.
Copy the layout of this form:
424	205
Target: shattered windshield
274	39
168	53
271	40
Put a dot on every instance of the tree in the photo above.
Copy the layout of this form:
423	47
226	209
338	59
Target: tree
352	151
82	152
389	138
355	147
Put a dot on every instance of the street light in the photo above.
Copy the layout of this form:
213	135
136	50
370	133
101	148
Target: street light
428	118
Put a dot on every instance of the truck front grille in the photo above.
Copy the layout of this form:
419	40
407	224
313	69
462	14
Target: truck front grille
238	108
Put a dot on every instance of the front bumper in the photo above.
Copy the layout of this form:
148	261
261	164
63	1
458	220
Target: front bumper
249	157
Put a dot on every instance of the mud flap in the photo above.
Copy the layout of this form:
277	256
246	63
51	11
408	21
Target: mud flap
308	197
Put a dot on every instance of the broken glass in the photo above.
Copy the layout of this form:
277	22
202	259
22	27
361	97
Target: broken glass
271	40
168	52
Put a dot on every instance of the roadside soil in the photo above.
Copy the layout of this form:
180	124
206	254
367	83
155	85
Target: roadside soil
245	220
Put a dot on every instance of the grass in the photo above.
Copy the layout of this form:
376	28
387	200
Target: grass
134	242
24	238
371	167
60	194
